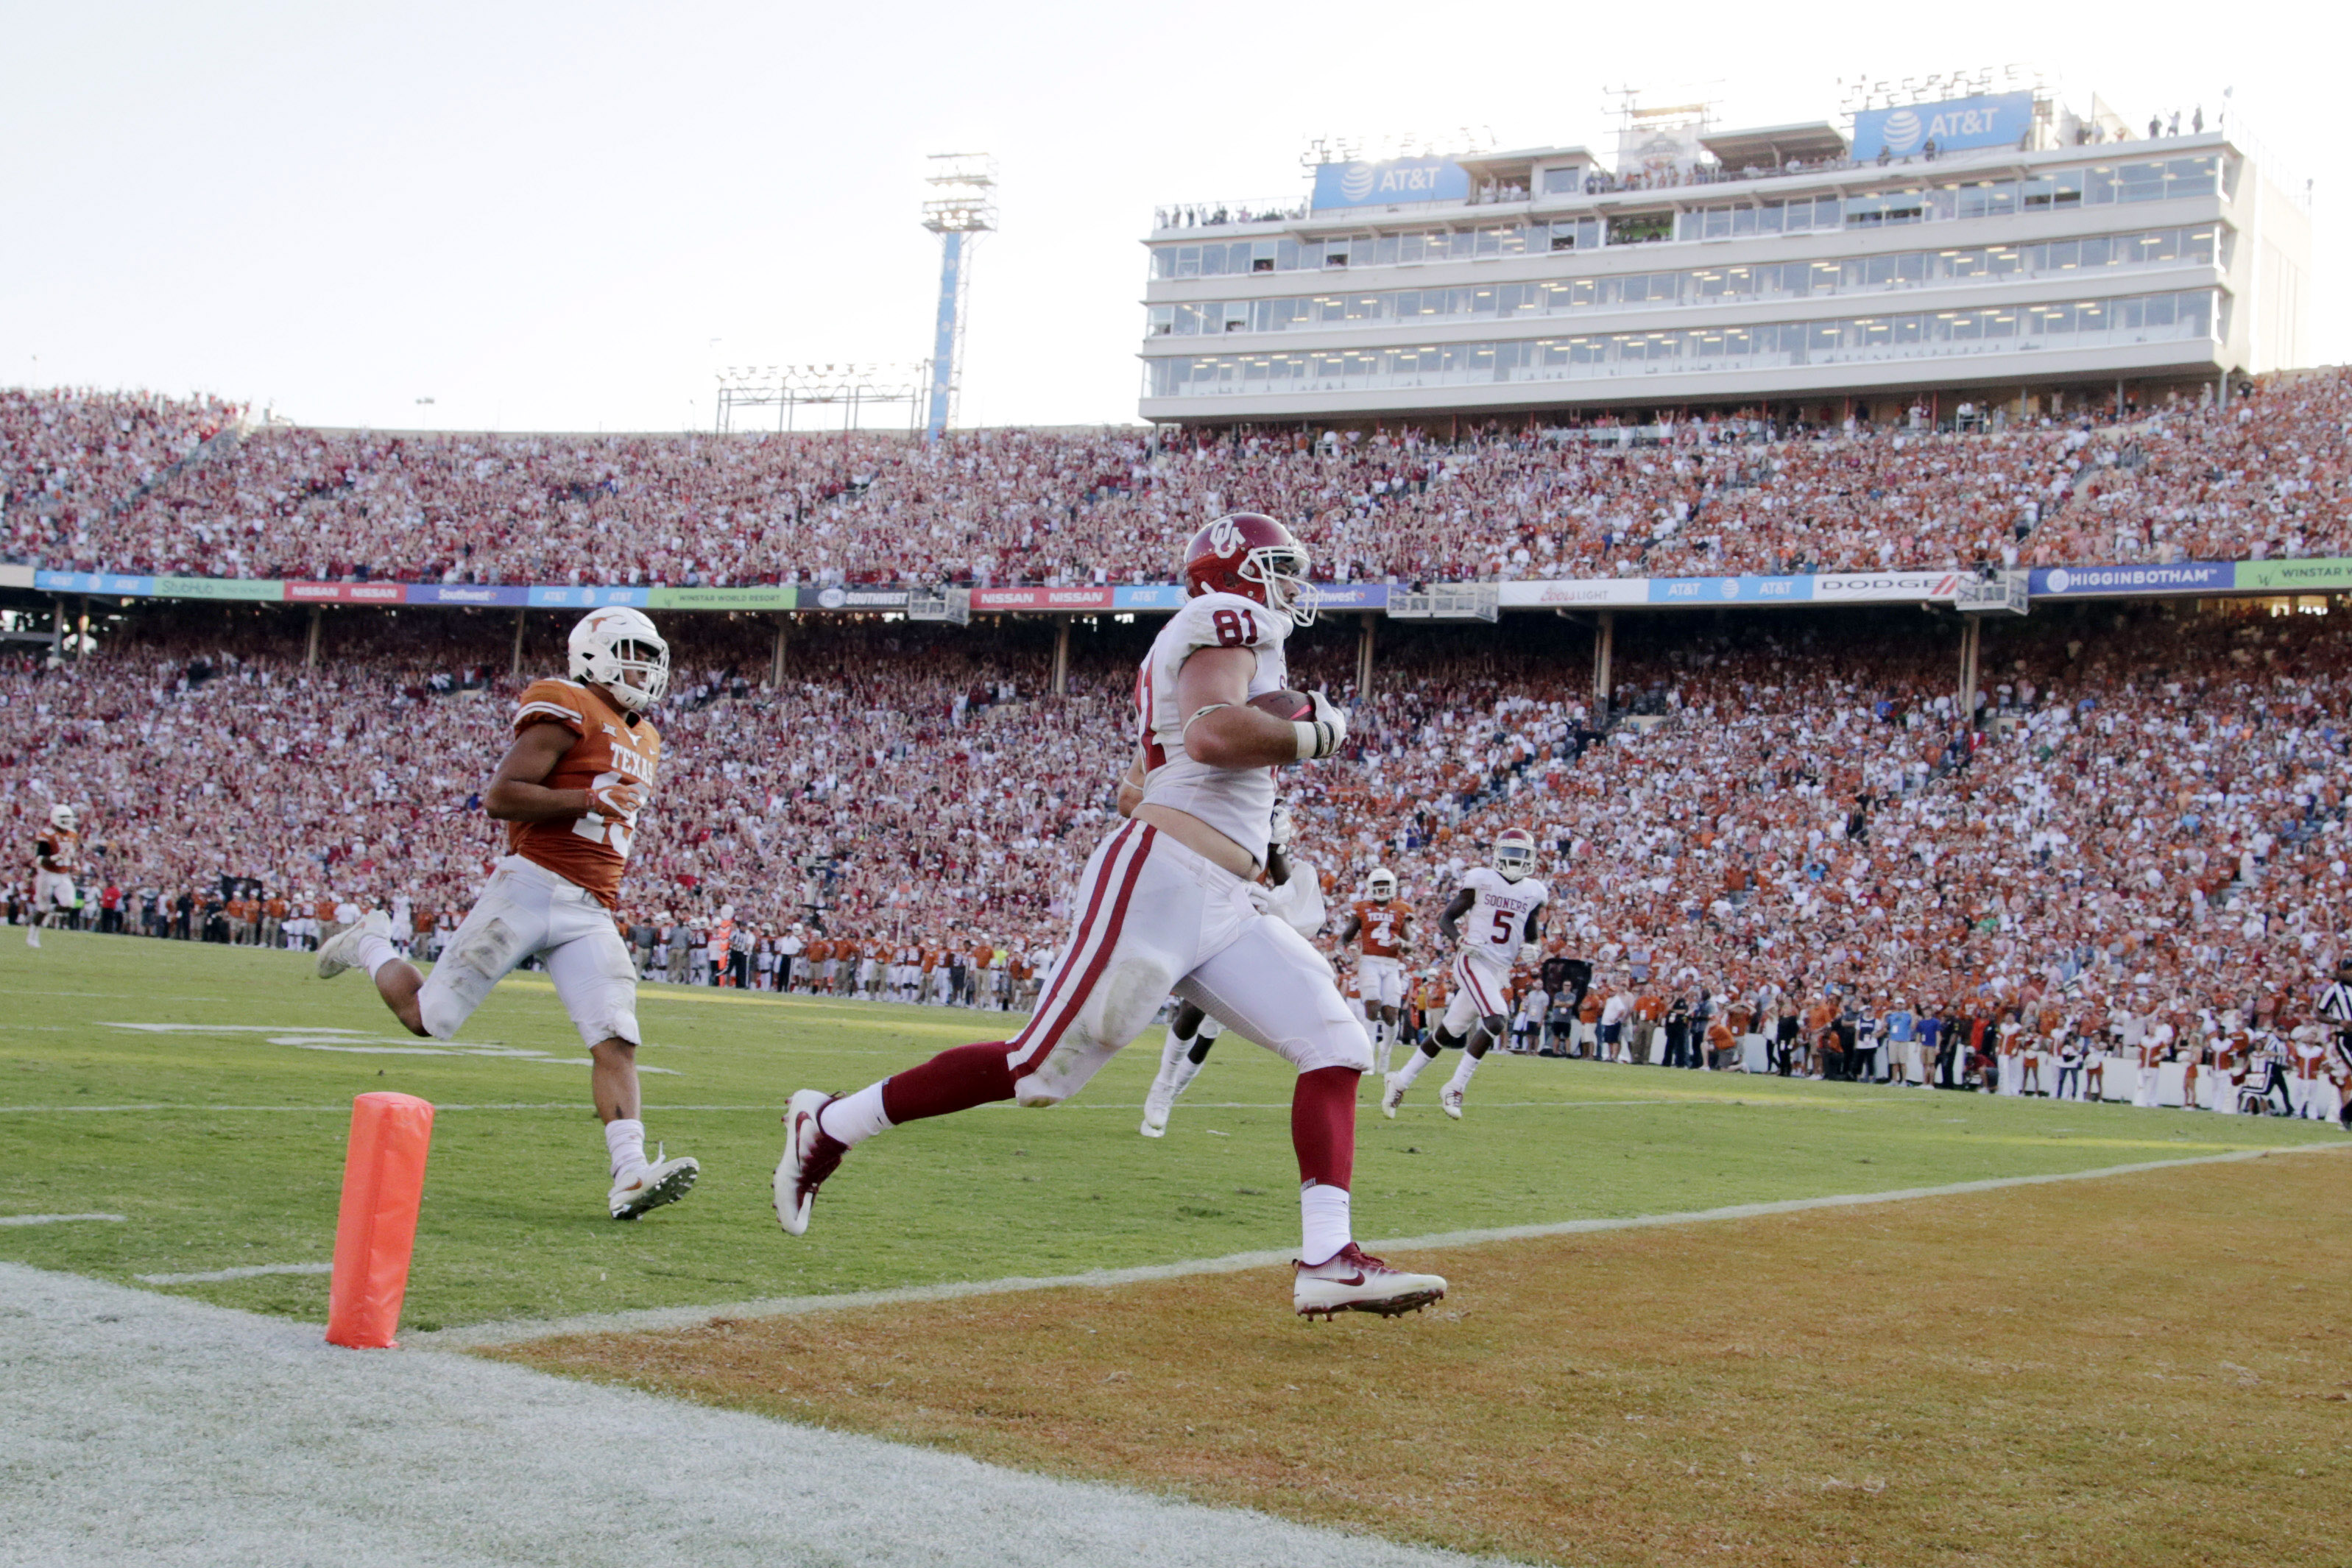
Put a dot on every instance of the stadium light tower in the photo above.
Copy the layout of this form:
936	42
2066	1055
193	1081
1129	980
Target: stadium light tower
962	209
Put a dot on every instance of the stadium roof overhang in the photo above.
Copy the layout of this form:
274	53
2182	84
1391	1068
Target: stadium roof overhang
1517	167
1771	146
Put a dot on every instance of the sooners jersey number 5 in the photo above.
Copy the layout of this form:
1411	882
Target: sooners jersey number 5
616	832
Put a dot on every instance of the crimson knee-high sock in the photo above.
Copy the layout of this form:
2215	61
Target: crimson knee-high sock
1323	1126
952	1081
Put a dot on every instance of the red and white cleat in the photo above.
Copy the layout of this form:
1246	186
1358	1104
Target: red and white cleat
810	1156
1353	1282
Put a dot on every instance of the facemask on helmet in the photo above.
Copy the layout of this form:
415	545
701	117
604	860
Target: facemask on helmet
1515	853
618	649
1381	885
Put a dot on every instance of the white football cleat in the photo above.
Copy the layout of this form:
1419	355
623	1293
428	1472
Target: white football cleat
1391	1096
810	1156
1449	1100
1157	1104
32	936
650	1187
1353	1282
342	950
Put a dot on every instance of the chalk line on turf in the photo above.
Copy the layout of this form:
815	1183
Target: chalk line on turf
657	1318
58	1218
146	1429
244	1271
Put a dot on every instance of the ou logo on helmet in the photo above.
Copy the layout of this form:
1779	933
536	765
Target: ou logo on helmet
1356	181
1224	536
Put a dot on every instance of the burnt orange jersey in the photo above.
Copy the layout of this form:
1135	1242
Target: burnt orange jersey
588	851
1382	927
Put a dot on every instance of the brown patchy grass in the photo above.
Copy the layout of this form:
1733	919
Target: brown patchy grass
2139	1372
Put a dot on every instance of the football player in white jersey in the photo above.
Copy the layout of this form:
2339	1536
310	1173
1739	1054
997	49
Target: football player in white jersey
1169	902
1504	906
57	856
1295	897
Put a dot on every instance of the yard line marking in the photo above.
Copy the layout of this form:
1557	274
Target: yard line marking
249	1271
656	1318
57	1219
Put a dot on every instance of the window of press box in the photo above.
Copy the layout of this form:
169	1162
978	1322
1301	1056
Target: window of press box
1641	228
1565	182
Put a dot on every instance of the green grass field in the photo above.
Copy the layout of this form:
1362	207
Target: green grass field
217	1131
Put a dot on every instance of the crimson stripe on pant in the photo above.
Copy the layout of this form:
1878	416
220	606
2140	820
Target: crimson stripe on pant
1058	977
1075	997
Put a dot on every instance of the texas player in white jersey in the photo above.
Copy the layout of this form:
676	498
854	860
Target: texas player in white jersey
57	856
1497	920
1169	902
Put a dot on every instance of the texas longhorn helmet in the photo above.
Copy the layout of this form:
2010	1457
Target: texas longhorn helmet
1380	885
1249	554
618	649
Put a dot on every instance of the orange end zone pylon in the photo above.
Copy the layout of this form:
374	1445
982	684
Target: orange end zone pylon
384	1183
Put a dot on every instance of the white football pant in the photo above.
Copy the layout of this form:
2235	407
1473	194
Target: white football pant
1156	918
526	910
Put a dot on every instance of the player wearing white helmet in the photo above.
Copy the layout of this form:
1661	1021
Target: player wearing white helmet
575	776
1504	907
56	856
1381	924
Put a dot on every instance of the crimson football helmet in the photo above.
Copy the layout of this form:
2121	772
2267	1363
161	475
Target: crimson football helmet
1251	555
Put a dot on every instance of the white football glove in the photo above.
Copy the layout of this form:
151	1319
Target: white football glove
1323	735
1277	833
1528	954
620	801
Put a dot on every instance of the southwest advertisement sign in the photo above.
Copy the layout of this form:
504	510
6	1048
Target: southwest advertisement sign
844	599
2294	576
735	598
1396	181
2111	581
1043	599
477	594
1353	595
1994	120
1731	590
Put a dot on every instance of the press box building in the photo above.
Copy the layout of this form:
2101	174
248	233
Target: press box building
1995	251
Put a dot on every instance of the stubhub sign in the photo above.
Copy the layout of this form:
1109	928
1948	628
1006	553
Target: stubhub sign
1397	180
1993	120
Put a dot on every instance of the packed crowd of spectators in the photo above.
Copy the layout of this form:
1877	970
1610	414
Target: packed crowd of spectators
2142	822
120	484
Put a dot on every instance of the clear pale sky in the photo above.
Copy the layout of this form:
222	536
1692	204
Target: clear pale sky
568	216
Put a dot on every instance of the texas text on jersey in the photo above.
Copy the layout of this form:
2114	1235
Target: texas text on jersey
588	851
57	851
1382	927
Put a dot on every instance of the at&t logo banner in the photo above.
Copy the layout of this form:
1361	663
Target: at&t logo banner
1994	120
1397	181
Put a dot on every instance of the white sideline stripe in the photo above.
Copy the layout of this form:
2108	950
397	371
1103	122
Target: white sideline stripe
57	1219
249	1271
212	1436
655	1318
